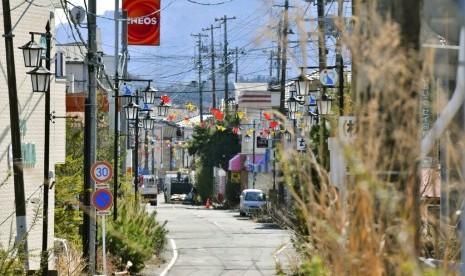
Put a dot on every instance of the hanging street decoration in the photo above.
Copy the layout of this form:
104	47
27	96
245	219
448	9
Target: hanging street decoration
165	99
241	114
191	106
267	116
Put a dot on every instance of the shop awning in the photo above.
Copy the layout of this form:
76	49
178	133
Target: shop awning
262	164
235	163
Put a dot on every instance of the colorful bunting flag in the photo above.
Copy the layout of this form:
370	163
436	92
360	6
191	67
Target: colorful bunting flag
190	106
267	116
165	99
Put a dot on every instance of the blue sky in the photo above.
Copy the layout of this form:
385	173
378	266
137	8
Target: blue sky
175	60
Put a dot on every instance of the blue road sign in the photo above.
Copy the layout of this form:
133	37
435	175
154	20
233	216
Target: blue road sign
102	199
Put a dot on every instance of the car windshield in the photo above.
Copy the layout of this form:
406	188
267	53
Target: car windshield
255	196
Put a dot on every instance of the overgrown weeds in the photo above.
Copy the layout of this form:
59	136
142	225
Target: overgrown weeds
370	222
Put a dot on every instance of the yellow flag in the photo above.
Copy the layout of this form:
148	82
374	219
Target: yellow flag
240	114
190	106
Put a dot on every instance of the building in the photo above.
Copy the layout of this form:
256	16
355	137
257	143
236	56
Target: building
31	105
252	164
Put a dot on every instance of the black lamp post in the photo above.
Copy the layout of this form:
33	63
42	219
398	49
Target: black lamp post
293	103
40	78
149	94
132	113
148	122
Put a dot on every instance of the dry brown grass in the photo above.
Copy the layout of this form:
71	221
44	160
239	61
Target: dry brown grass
378	227
70	262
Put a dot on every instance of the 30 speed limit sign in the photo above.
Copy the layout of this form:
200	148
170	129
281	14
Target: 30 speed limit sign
101	171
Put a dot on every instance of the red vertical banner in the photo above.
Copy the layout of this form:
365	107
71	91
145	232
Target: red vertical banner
143	21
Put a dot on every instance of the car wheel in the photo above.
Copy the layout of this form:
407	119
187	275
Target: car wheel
242	214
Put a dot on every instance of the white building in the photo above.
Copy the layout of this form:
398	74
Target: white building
27	18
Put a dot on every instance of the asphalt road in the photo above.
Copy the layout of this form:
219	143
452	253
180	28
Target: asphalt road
218	242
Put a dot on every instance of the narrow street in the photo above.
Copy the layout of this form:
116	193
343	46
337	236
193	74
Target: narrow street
219	242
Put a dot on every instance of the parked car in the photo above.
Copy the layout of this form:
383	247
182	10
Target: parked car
252	201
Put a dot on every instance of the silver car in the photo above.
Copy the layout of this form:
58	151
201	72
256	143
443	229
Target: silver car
252	201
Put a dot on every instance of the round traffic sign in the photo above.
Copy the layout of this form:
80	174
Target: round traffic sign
328	77
102	199
101	171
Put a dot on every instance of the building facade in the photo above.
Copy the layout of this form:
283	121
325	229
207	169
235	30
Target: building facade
31	105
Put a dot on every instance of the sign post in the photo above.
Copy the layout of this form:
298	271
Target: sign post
102	199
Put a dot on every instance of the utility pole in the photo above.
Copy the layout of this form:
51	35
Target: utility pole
237	62
321	35
271	64
18	177
278	57
89	236
116	114
339	59
212	55
284	56
199	64
225	58
124	51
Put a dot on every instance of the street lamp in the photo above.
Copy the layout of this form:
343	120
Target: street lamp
32	53
324	104
132	111
40	78
293	103
163	109
148	122
287	135
302	85
149	94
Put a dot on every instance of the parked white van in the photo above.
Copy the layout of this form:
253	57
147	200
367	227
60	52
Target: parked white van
252	201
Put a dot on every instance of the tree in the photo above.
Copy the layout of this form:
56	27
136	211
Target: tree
214	148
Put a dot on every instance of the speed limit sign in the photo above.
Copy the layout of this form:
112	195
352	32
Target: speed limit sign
101	171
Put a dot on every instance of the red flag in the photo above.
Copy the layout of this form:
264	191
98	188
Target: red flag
267	116
214	111
165	99
219	116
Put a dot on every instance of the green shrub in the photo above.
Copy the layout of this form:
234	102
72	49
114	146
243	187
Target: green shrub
9	263
136	235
